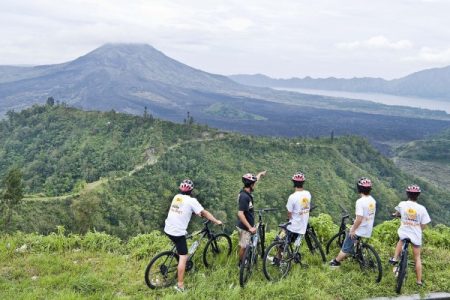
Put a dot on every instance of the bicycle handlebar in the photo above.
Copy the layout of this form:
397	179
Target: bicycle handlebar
267	209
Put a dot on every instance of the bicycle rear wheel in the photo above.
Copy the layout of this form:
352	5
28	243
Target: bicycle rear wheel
336	242
277	261
162	270
401	276
370	262
217	249
247	264
314	245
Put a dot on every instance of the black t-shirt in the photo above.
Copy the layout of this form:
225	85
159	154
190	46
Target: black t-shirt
245	202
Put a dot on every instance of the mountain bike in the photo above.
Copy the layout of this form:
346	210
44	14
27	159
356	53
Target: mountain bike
338	239
368	259
255	248
162	269
283	251
402	266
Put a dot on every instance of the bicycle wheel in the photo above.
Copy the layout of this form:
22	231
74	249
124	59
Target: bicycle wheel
217	249
277	261
401	276
335	242
246	268
162	270
314	245
370	262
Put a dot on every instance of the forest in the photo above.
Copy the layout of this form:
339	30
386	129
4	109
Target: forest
117	173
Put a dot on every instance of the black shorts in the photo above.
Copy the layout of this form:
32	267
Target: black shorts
180	243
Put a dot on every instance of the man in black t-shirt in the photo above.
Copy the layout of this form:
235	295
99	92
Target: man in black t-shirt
246	218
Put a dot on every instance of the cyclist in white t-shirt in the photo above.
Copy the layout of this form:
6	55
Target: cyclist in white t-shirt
363	225
298	206
180	213
414	218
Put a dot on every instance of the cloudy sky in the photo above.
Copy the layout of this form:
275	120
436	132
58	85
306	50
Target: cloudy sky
280	38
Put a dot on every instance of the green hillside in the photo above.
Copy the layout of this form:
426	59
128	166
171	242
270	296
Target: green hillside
428	159
100	266
118	173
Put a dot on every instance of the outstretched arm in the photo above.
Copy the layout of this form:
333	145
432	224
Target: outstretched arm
260	174
206	214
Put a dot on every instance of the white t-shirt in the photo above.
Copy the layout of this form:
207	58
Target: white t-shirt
366	207
412	216
180	213
299	204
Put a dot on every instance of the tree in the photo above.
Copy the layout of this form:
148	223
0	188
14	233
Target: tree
50	101
12	195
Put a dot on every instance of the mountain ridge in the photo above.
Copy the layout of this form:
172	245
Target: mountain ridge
427	83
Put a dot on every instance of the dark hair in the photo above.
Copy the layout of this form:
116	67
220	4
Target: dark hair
298	184
187	193
363	189
412	196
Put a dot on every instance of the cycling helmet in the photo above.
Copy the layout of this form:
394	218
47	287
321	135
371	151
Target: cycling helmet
249	178
186	185
299	176
365	182
413	189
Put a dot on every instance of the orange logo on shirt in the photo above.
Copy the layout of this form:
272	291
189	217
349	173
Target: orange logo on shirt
371	208
305	202
411	213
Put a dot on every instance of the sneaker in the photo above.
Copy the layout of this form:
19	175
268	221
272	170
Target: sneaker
420	284
335	263
392	261
276	261
179	290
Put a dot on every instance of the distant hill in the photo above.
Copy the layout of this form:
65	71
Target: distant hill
117	172
431	83
130	77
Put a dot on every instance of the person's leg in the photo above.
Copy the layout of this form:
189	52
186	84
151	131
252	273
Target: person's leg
244	240
181	269
398	249
347	248
418	262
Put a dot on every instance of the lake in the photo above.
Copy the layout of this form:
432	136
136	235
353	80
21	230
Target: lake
380	98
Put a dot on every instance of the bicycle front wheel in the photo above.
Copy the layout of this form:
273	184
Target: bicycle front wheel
277	261
336	242
314	246
247	264
217	249
401	276
162	270
370	262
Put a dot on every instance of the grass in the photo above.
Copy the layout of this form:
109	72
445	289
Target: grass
99	266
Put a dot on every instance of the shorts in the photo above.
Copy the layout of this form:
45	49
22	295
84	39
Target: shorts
349	244
180	244
244	237
291	236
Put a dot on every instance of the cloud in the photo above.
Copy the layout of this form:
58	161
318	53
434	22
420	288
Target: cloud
430	55
376	42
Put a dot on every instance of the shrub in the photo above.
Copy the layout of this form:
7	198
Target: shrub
94	240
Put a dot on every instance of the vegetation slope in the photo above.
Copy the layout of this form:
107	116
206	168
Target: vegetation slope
118	173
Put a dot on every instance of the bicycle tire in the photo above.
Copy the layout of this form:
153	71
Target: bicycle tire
403	264
245	270
219	244
338	239
373	263
314	245
284	264
168	270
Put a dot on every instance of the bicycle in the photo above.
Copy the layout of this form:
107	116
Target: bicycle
280	254
339	238
402	266
256	247
368	259
162	269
